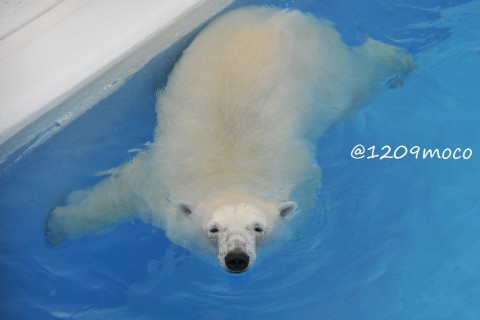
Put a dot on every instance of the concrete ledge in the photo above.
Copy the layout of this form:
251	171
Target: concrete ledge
77	44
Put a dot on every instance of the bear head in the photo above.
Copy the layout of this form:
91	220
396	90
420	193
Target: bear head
235	229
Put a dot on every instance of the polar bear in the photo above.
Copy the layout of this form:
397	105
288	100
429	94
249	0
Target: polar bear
233	154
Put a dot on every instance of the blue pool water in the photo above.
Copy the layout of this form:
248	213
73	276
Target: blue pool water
388	239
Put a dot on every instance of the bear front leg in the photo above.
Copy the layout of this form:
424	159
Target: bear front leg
89	211
384	63
110	202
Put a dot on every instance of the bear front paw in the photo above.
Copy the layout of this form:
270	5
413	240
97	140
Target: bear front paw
54	232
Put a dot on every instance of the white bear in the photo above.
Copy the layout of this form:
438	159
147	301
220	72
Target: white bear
238	122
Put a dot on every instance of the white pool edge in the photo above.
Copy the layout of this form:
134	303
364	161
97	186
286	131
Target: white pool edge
60	64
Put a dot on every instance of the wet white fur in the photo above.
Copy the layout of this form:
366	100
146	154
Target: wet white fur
237	128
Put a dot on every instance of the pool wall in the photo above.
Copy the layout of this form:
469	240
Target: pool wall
59	58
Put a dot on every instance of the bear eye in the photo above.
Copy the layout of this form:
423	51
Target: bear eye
213	229
185	209
258	229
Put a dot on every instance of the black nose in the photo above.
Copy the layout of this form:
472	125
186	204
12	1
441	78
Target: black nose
237	261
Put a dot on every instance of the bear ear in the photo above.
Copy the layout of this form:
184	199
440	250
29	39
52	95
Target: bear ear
185	209
287	208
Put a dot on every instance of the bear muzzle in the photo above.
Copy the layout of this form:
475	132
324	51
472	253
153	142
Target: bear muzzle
236	252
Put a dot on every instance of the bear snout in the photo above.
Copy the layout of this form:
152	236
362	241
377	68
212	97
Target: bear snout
237	261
